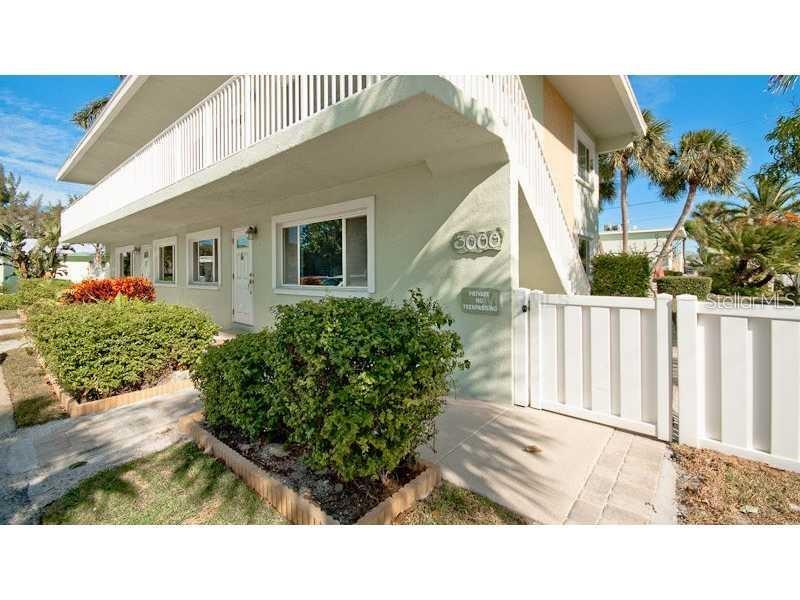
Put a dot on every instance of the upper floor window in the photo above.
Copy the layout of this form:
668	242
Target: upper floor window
203	254
326	250
585	163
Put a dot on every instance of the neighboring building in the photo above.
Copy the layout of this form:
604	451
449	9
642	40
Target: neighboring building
648	241
79	264
239	193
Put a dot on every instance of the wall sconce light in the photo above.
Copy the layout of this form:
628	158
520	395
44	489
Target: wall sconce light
251	231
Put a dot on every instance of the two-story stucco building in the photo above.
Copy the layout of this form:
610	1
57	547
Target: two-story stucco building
235	194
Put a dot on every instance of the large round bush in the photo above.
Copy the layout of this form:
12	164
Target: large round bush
365	380
237	382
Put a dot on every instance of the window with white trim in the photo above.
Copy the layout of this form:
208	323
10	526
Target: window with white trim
125	261
165	252
325	250
202	249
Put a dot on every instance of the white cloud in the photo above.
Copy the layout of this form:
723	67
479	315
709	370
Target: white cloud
34	142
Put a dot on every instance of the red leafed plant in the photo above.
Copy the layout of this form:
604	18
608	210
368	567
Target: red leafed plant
104	290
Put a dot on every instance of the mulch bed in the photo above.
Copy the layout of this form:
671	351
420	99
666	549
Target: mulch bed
344	501
719	489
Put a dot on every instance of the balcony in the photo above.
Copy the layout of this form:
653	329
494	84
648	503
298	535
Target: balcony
246	112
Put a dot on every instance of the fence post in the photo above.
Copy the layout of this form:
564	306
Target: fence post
535	344
520	347
690	409
664	367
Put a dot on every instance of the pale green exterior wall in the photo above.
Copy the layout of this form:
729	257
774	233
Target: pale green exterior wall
416	215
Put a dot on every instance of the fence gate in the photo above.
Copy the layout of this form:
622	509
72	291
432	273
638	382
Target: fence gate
604	359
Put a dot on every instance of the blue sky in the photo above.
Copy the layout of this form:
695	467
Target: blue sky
736	104
35	132
36	135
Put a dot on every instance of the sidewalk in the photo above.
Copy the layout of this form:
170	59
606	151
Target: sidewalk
39	464
580	472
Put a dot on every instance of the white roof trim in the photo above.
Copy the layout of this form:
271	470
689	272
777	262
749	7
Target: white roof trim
625	91
116	103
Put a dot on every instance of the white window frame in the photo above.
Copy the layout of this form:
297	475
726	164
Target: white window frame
156	262
342	210
119	250
206	234
583	138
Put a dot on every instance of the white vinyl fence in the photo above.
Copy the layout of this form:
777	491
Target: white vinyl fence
739	380
609	360
598	358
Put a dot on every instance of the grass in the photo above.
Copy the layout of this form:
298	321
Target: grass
179	485
451	505
33	399
722	490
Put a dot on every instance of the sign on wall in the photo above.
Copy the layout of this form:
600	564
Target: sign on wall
480	301
478	242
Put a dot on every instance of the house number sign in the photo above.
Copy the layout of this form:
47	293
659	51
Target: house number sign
478	242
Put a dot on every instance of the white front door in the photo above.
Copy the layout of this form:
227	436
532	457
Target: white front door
243	278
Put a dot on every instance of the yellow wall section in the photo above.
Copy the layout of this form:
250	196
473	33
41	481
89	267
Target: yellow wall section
558	141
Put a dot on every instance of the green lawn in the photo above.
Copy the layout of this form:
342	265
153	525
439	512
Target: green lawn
33	400
179	485
451	505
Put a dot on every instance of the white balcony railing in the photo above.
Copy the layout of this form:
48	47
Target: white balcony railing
249	108
242	111
506	98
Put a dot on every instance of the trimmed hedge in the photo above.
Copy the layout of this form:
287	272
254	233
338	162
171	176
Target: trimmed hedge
621	275
100	290
356	382
30	291
99	350
697	286
238	381
9	301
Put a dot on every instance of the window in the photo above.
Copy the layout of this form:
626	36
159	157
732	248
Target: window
203	258
326	250
585	252
584	158
125	261
165	252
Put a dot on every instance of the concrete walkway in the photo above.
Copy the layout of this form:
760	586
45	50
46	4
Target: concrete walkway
39	464
578	472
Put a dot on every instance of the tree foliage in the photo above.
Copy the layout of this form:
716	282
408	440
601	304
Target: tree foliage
646	154
86	115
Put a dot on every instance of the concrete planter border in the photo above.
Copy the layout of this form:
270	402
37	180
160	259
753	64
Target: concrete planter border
292	505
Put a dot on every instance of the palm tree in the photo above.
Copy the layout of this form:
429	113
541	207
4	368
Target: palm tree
781	83
84	117
706	160
49	255
648	154
12	247
769	200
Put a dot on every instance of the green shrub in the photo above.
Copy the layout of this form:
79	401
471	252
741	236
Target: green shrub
98	350
32	290
237	383
9	301
365	379
620	275
697	286
671	273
